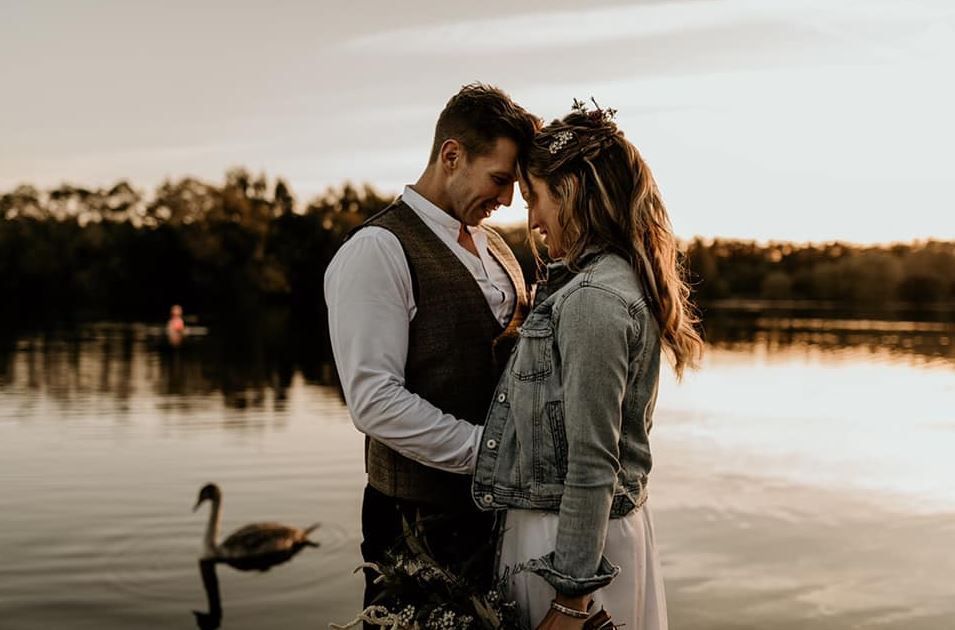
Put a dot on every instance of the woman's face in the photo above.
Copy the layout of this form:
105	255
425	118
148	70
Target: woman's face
542	211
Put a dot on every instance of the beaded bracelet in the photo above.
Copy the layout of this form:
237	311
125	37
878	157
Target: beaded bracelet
570	612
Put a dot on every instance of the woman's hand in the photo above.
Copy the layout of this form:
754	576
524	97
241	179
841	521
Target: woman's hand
556	620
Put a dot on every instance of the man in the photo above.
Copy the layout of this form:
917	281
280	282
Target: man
418	298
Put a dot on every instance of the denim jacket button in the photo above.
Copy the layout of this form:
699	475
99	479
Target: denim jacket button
488	499
501	397
492	444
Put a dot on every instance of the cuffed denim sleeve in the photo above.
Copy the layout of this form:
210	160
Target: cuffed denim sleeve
594	334
569	584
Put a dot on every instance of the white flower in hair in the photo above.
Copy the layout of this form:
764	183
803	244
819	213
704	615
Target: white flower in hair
560	141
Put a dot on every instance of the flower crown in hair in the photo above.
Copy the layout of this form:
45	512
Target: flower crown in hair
598	115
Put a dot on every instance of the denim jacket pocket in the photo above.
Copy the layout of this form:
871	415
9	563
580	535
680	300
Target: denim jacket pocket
555	447
508	470
532	359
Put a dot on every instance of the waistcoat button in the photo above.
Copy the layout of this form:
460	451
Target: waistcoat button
488	499
492	444
501	397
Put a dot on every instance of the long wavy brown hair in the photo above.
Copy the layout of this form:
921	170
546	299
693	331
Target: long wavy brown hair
609	199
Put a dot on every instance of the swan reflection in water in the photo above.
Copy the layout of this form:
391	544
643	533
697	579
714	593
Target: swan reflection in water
210	582
255	547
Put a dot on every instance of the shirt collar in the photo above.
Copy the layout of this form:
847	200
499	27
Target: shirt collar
430	211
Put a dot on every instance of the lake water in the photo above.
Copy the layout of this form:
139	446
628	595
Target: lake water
804	478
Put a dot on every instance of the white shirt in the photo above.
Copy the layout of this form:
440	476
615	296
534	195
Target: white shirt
371	303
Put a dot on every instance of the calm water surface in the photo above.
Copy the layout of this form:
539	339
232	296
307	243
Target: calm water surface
803	478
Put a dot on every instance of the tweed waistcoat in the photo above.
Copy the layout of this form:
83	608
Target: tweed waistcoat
456	350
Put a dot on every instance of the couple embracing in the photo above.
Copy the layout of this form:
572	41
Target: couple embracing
506	415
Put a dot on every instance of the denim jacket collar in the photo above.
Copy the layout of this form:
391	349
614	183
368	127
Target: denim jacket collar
557	274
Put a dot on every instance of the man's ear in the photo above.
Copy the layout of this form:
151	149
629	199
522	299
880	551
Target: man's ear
451	154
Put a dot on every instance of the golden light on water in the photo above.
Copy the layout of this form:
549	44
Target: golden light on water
851	420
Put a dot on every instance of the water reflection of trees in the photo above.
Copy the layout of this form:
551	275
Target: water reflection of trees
777	334
86	362
251	364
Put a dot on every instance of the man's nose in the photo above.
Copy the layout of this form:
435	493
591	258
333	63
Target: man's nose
506	195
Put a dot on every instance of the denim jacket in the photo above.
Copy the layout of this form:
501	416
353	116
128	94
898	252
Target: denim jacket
567	431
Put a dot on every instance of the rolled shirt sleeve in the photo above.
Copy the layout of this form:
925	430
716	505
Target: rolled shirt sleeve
594	335
370	306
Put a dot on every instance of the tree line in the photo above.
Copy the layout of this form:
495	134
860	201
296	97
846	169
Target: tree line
918	274
82	253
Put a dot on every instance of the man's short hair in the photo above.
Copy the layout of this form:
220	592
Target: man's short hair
480	114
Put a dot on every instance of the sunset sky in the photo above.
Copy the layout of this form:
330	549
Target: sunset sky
796	120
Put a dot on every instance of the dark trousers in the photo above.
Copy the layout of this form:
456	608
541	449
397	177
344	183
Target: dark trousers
462	540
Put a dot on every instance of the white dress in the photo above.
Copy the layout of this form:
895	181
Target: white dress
634	599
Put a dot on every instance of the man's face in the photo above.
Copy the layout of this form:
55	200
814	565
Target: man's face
480	184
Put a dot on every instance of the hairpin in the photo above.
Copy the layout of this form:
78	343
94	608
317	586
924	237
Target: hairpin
560	141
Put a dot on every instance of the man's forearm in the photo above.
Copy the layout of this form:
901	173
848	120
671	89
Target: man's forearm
413	427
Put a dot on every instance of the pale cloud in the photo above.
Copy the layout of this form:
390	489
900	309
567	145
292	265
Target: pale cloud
760	118
867	25
519	33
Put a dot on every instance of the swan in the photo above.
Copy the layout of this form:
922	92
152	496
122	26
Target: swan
256	546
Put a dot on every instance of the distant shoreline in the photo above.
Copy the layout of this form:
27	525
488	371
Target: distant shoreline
823	307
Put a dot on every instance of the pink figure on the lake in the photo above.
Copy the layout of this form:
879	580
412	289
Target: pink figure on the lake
176	326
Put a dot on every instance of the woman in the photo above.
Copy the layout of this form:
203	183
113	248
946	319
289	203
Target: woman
565	448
